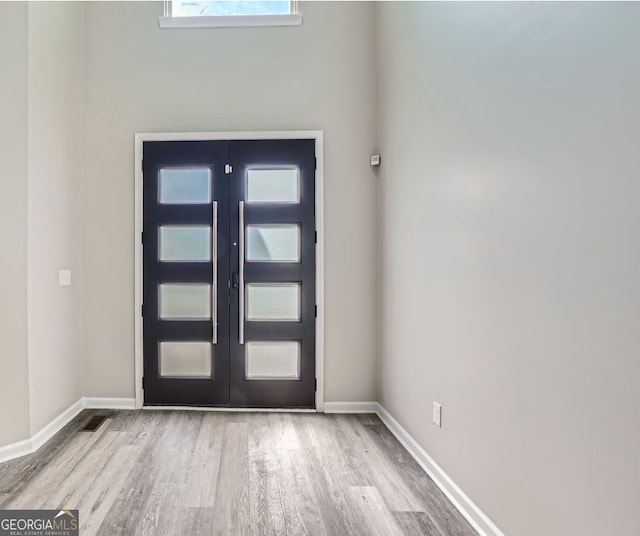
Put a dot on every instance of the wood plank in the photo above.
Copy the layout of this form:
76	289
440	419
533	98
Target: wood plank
128	508
96	503
372	512
162	513
86	473
384	475
16	475
265	503
202	479
58	470
367	418
231	509
197	521
330	473
300	506
416	523
439	509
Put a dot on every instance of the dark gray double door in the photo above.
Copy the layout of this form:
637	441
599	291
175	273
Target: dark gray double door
229	273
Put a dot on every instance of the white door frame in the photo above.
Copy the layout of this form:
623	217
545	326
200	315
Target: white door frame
316	135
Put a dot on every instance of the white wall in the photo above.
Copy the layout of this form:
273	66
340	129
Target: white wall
55	94
14	388
511	261
143	79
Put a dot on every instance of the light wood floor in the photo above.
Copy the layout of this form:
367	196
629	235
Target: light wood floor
174	473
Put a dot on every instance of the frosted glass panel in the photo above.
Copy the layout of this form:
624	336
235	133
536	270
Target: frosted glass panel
185	185
192	359
272	360
185	300
276	243
273	186
185	243
273	301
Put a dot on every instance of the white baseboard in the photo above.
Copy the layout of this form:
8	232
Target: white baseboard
30	445
351	407
476	517
15	450
109	403
57	424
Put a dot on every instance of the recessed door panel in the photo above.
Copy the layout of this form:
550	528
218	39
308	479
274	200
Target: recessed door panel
271	302
272	243
272	360
190	185
186	359
185	243
273	185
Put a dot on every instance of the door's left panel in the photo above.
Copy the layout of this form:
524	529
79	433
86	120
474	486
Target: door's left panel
186	273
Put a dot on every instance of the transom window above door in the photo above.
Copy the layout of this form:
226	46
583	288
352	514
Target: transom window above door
189	8
220	13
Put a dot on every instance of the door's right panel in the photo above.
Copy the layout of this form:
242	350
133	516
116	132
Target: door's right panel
272	224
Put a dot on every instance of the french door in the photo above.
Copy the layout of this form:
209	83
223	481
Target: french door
229	273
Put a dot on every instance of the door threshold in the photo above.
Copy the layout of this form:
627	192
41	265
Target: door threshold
232	410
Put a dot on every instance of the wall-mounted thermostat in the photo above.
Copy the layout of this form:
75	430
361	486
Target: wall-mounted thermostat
375	159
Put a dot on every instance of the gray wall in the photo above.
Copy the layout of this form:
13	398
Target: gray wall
142	79
56	72
14	380
41	103
510	260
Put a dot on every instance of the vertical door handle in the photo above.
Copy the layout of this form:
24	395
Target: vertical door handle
214	283
241	277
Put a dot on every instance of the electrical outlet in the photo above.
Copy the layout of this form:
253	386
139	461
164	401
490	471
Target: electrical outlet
437	414
64	278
